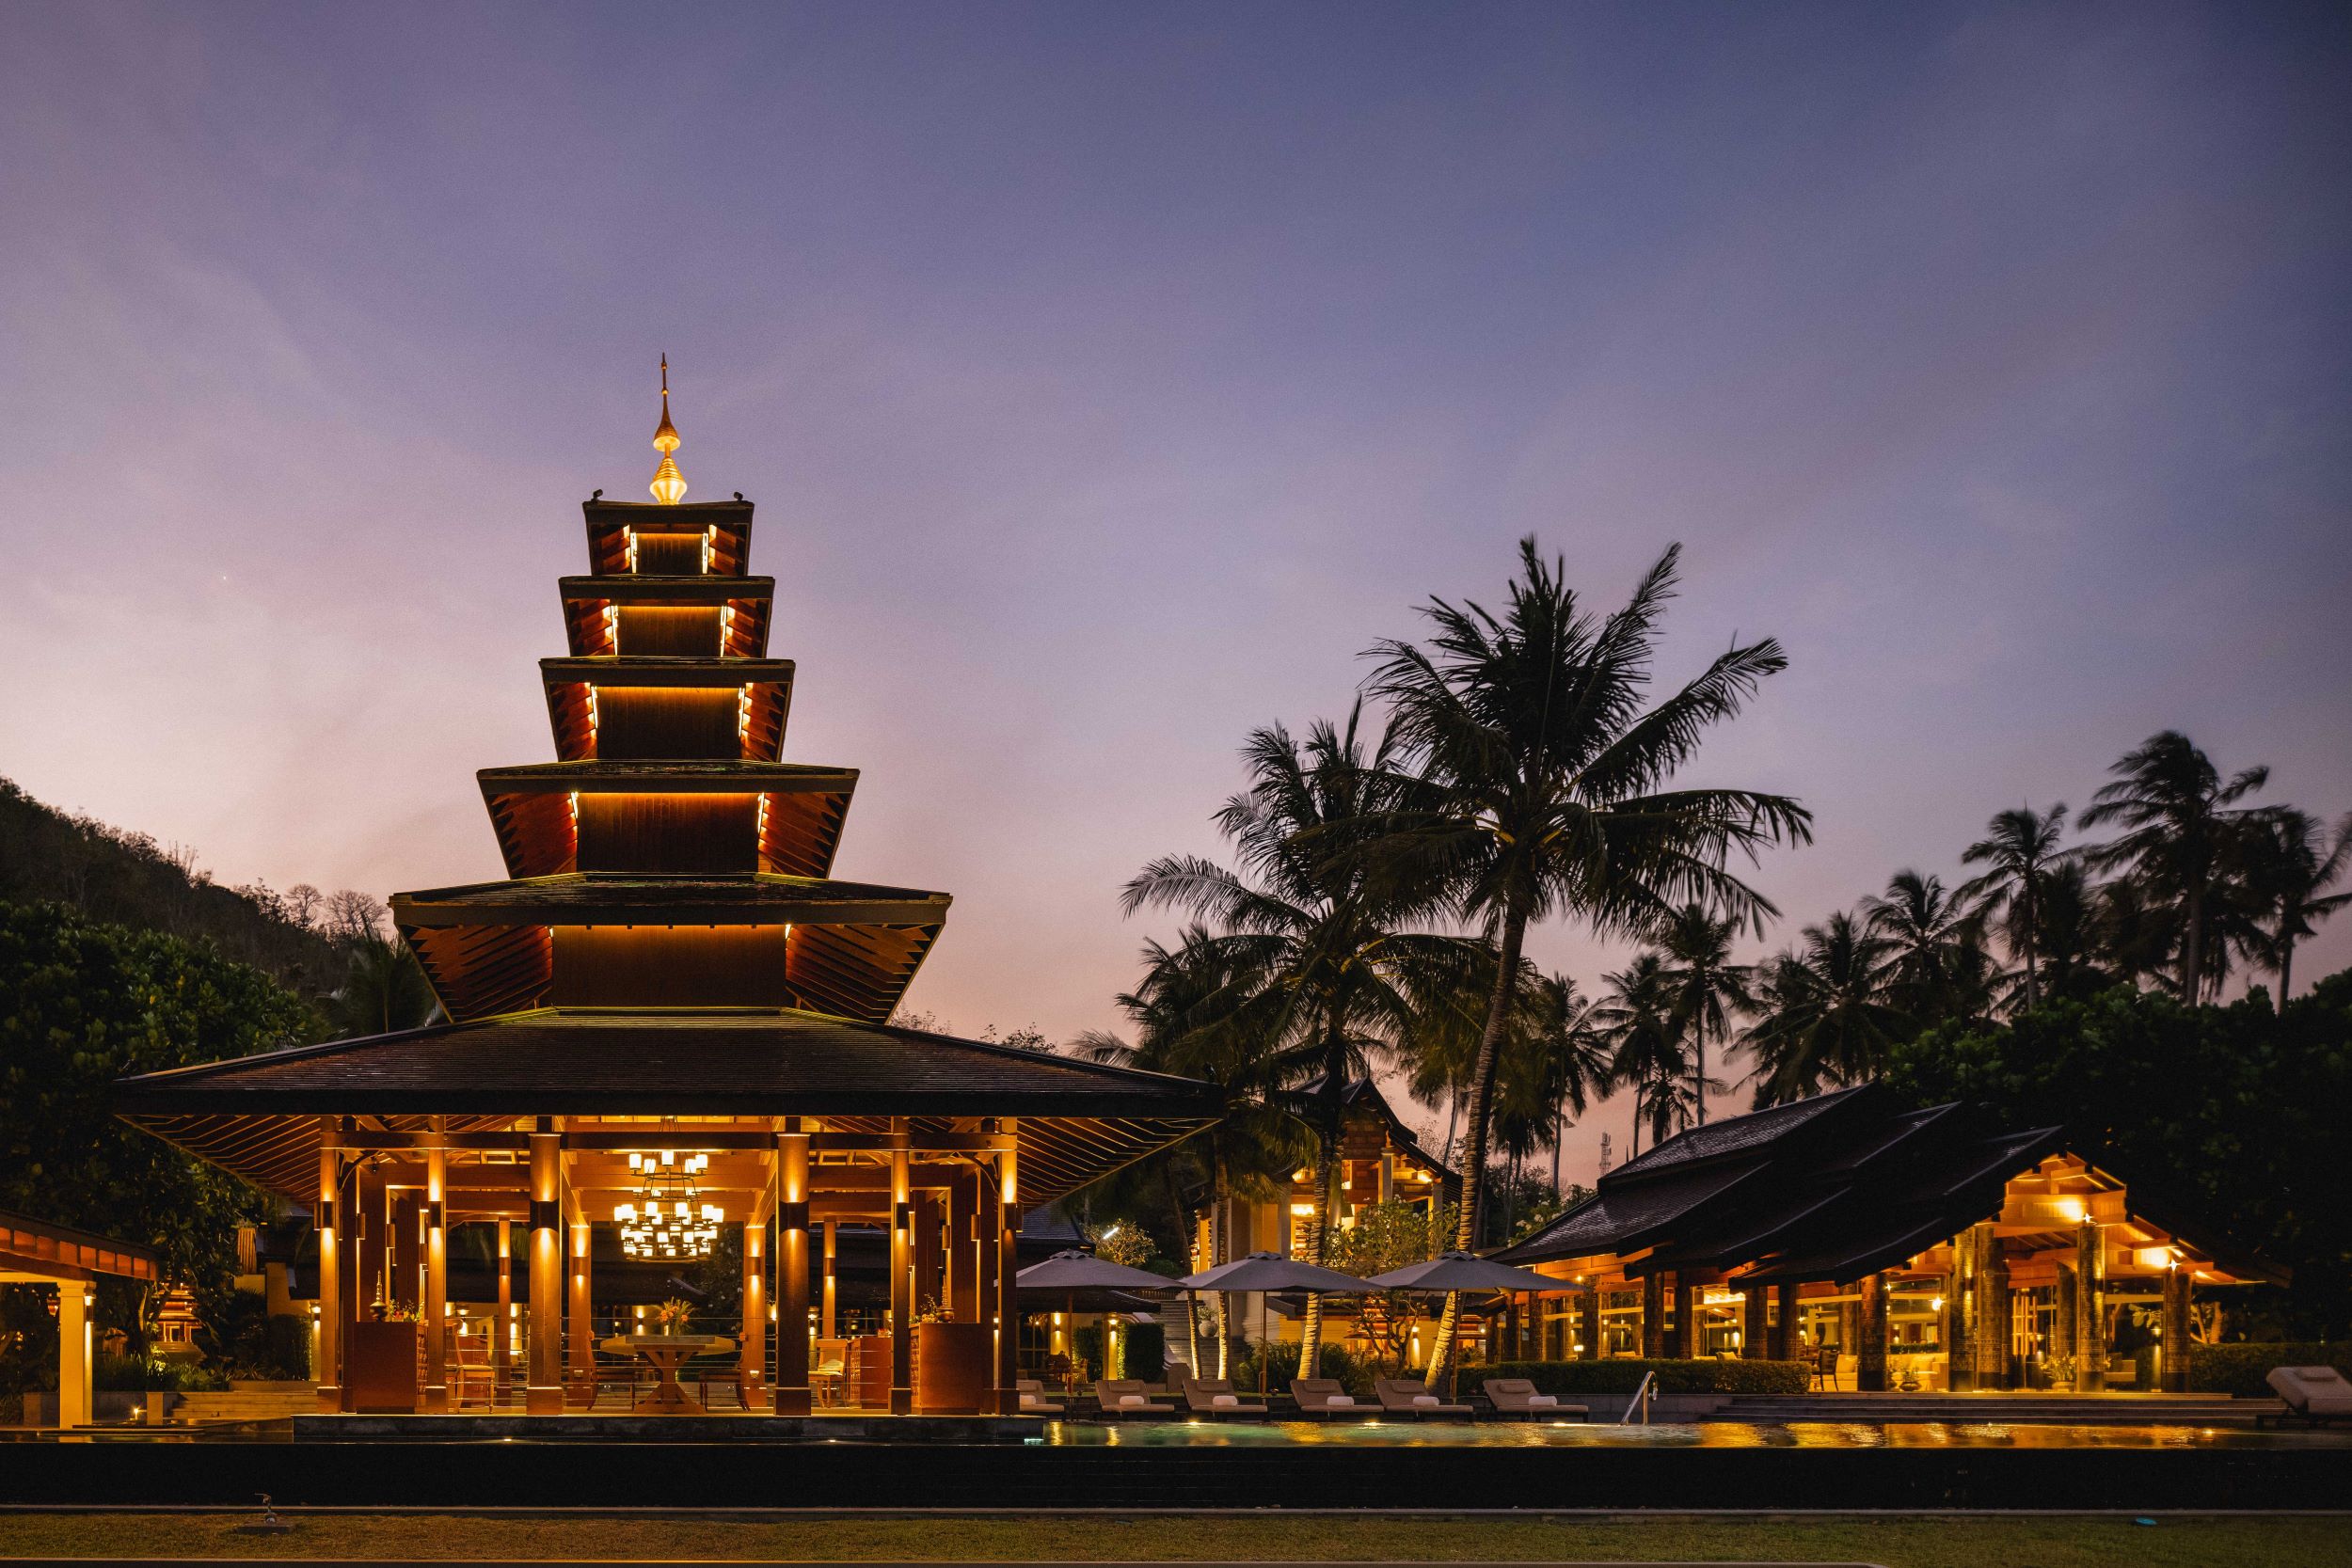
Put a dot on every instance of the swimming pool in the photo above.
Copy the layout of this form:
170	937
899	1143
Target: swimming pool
1699	1434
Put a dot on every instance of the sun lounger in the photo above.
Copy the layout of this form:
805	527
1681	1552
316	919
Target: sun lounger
1123	1399
2318	1395
1325	1398
1406	1396
1214	1396
1516	1396
1032	1397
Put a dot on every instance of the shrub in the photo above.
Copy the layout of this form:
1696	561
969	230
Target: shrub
1355	1374
1621	1377
1142	1350
2238	1370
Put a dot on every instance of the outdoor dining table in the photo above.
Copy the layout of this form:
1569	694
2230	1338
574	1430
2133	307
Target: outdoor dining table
668	1352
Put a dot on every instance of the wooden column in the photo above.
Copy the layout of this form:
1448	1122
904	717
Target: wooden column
75	1396
902	1275
2091	1321
1682	1340
751	1359
1653	1315
1787	1303
436	1275
2173	1331
2062	1315
1960	1370
1008	1217
1870	1357
965	1245
792	1248
1988	1331
828	1324
1756	1332
1589	1305
367	1236
327	1354
405	1283
579	1328
502	1336
544	1354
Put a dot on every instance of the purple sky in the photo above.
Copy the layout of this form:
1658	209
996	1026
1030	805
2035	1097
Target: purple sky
1108	377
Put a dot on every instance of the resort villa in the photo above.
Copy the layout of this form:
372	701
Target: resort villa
1892	1248
668	1032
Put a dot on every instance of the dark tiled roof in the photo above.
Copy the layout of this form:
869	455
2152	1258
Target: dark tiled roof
1622	1218
1738	1134
259	1116
666	1063
599	896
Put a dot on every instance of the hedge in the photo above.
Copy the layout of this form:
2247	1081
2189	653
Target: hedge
1621	1377
2238	1370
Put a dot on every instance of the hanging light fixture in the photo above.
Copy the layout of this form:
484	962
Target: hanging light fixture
669	1219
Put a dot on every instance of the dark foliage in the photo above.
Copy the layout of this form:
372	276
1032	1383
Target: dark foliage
2228	1117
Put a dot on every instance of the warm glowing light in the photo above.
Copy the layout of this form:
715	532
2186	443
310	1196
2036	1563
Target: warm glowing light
2157	1256
2071	1209
669	485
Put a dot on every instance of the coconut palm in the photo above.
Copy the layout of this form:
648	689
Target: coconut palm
1327	936
1937	965
1645	1044
384	988
1708	990
2020	849
1542	789
2179	837
2294	859
1204	1010
1562	1066
2069	917
1823	1015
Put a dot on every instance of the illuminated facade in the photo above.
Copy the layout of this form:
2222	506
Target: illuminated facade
671	993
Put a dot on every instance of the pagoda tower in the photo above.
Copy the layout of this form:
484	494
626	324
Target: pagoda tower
669	990
669	857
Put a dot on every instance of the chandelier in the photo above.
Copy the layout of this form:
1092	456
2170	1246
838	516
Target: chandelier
669	1218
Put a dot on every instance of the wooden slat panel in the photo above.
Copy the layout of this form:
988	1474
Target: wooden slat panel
670	631
668	833
670	966
647	721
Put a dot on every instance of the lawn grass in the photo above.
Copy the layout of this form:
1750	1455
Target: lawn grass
2103	1541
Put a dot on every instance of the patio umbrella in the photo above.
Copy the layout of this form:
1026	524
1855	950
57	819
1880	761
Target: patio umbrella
1267	1271
1461	1270
1071	1272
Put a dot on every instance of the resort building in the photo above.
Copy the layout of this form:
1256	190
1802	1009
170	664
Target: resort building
669	1026
1895	1248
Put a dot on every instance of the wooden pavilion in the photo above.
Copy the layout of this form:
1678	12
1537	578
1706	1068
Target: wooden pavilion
1893	1247
671	1020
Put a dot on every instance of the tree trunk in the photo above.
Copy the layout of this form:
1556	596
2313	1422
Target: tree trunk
2286	969
2033	980
1326	1181
1559	1133
2193	950
1473	1164
1192	1299
1698	1078
1220	1246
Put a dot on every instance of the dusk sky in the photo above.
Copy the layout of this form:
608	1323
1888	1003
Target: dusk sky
1108	378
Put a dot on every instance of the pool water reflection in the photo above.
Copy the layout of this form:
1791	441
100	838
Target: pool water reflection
1701	1435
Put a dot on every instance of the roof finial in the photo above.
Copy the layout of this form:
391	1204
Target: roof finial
669	485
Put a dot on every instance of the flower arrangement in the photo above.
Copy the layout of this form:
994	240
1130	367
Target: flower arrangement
672	1314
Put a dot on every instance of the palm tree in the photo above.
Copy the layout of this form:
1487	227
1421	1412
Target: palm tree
1824	1019
2179	835
1560	1064
1202	1012
2071	933
1638	1027
1708	990
384	988
1324	934
2294	860
1542	789
1937	966
2022	846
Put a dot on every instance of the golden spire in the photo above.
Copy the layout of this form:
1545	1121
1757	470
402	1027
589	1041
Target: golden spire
669	485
